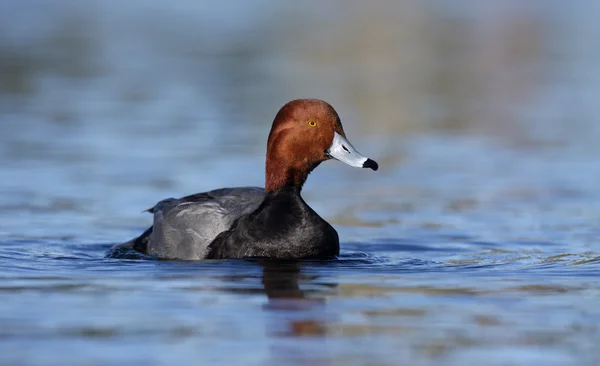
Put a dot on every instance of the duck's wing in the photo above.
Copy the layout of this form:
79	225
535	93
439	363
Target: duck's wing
183	228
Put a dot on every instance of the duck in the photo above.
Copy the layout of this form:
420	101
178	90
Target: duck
273	222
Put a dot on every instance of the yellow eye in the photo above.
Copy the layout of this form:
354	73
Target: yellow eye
312	123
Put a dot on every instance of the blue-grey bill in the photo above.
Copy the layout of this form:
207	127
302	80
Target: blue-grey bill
341	149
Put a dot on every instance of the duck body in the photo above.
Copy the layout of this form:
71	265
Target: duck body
274	222
238	222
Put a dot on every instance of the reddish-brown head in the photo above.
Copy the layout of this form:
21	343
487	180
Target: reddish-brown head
305	133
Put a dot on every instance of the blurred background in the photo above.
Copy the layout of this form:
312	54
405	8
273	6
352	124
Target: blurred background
483	116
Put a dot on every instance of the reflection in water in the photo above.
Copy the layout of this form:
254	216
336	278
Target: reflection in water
281	284
294	313
280	279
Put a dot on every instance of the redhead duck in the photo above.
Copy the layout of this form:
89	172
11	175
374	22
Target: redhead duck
273	222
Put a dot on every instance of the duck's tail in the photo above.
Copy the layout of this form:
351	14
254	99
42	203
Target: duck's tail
132	248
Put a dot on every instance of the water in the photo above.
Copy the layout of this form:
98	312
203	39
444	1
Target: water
475	243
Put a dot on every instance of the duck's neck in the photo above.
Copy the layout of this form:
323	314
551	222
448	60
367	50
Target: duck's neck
281	176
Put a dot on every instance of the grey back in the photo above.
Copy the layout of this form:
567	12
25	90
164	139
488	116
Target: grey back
183	228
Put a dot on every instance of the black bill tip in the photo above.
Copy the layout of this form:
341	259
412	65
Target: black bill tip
371	164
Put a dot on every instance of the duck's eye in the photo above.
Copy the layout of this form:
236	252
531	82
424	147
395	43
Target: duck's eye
312	123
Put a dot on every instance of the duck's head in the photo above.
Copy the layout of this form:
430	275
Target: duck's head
305	133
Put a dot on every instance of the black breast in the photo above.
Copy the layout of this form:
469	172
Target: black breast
283	227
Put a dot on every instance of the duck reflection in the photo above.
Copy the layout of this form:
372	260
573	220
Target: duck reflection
296	312
303	311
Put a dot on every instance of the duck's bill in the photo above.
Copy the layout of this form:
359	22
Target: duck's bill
341	149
